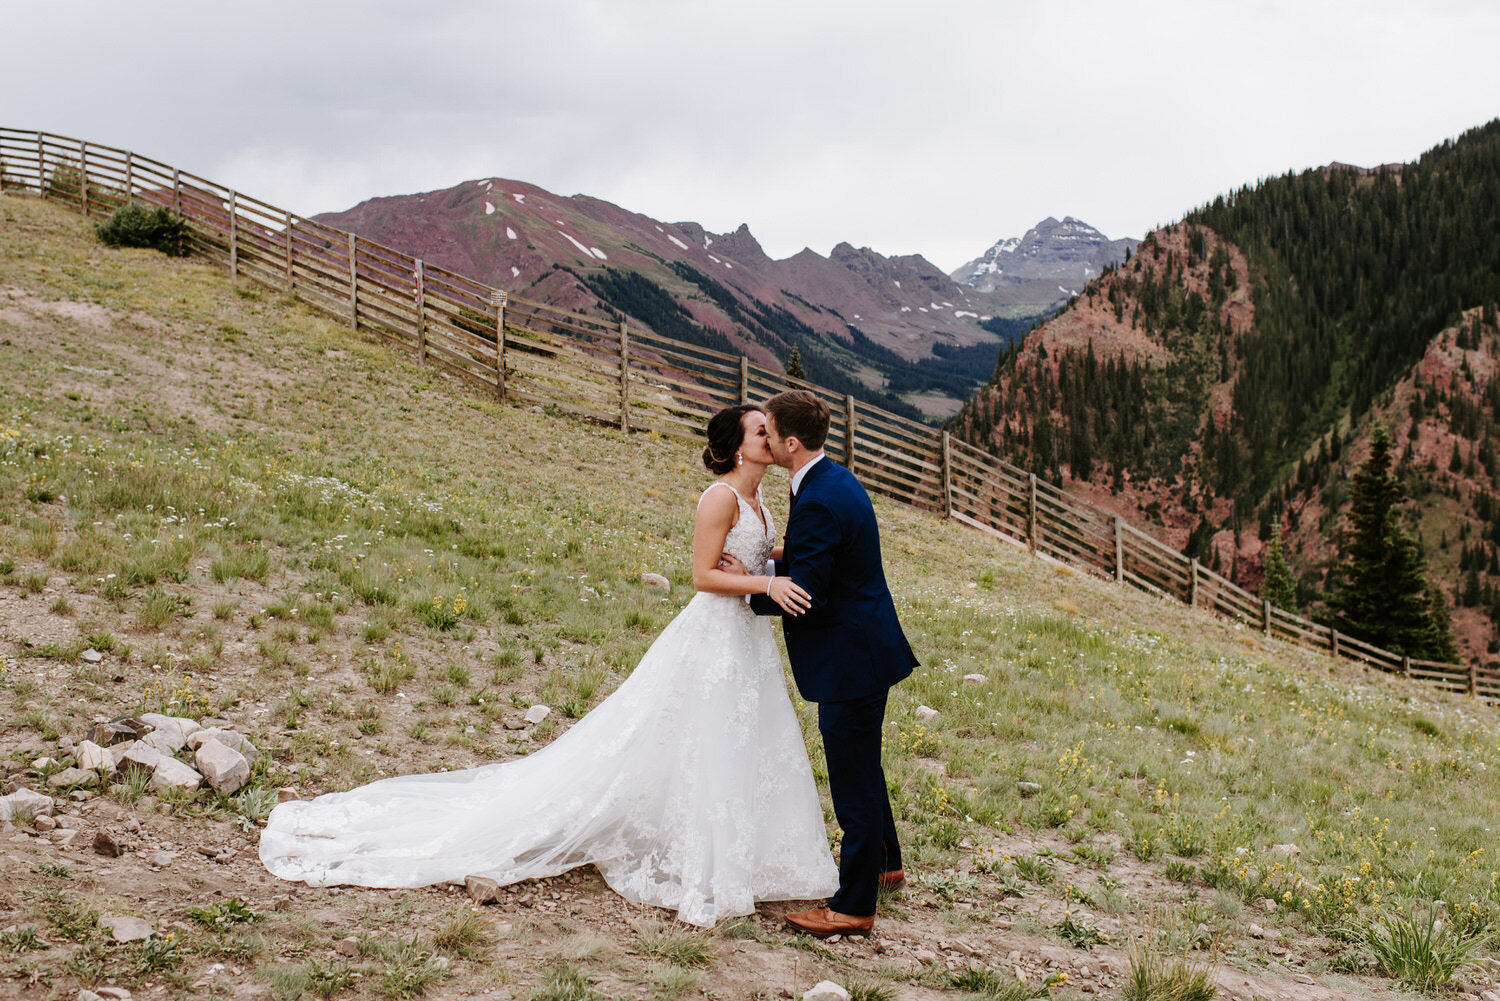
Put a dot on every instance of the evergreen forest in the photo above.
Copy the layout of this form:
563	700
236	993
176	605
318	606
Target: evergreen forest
1244	355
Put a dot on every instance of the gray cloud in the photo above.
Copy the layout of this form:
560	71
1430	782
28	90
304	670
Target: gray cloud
932	130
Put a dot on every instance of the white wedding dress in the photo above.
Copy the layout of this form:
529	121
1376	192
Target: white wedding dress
689	787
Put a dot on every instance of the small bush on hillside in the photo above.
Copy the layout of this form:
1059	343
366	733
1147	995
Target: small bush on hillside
137	226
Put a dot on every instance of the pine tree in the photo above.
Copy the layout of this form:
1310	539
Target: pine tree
1278	587
794	365
1380	590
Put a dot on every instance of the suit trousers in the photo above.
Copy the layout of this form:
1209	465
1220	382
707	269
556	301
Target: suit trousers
851	745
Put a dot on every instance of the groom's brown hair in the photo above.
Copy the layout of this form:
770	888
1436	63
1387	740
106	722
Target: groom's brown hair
801	415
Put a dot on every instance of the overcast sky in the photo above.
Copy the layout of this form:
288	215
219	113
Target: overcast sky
933	128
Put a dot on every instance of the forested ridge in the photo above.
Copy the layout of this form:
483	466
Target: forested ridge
1219	379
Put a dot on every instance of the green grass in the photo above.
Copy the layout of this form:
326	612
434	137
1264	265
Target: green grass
286	518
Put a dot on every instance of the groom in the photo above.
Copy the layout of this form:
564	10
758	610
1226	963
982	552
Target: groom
846	651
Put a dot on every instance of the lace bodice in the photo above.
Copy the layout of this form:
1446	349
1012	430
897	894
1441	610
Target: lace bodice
748	541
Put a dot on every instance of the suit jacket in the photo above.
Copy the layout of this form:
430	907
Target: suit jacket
849	644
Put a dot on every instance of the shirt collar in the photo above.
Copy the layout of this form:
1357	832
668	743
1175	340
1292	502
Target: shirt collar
801	474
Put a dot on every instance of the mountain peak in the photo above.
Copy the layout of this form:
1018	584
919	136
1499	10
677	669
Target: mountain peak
1044	267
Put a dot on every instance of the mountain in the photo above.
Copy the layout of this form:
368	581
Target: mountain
1039	272
1226	377
892	330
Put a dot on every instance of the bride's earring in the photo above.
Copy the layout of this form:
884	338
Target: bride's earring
739	458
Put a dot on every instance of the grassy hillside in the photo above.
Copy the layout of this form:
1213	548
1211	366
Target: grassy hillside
261	518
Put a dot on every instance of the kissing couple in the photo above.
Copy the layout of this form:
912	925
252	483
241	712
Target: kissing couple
689	787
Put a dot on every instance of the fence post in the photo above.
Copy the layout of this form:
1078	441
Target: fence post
83	177
1333	640
1473	678
624	377
744	379
286	231
1031	515
1193	586
353	286
947	476
41	166
499	299
1406	667
129	178
234	235
177	201
421	282
1119	548
850	423
1265	617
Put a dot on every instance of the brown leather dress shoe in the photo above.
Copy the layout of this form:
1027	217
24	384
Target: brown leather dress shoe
893	880
820	922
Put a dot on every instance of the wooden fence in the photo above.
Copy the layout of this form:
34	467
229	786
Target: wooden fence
604	370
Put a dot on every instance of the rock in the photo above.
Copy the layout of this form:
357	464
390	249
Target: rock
65	744
1028	789
91	655
229	738
1256	931
44	823
224	768
118	731
1268	905
42	763
108	843
62	837
1288	850
826	990
975	679
117	751
94	757
170	733
115	993
173	774
140	757
81	795
657	581
348	946
513	722
927	714
482	889
160	860
1489	996
537	713
286	794
925	956
70	777
126	929
84	994
24	803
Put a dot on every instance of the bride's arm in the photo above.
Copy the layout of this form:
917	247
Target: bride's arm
715	518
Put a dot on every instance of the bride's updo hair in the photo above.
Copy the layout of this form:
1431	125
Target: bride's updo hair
726	432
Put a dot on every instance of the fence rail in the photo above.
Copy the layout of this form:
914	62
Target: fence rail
605	370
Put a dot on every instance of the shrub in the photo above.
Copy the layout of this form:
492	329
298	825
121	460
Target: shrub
137	226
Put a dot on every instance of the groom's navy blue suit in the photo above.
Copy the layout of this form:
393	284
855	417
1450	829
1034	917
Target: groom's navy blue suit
846	651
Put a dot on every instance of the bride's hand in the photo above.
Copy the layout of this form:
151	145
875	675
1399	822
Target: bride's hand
786	593
731	564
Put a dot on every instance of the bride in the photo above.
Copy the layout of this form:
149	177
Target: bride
689	787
